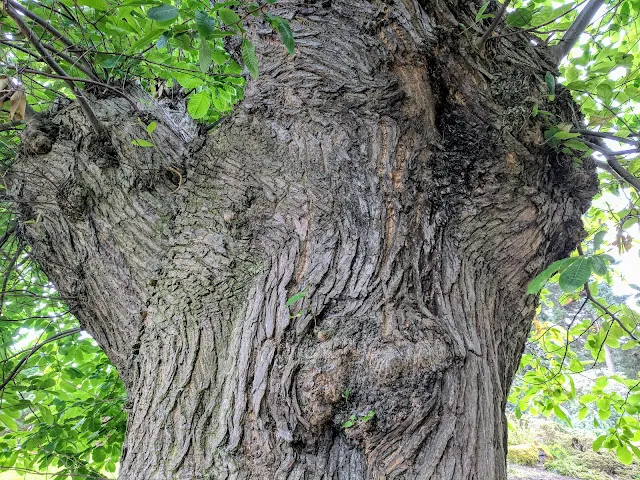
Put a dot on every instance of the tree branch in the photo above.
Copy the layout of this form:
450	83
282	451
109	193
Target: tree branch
48	27
33	350
75	79
595	301
79	64
615	165
27	32
610	136
496	21
605	166
571	36
7	234
11	125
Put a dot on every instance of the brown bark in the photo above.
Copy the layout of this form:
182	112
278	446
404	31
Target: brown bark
388	169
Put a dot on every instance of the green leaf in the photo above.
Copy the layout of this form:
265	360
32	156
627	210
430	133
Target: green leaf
219	57
564	135
602	382
521	17
96	4
132	3
541	279
286	34
561	414
597	443
144	40
229	17
294	298
99	454
249	58
206	25
162	41
151	127
199	104
205	56
624	455
45	414
604	414
577	145
140	142
8	422
582	414
576	365
576	275
162	13
480	13
599	265
550	80
188	80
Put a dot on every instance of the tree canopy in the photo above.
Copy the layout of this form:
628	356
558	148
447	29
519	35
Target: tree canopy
62	406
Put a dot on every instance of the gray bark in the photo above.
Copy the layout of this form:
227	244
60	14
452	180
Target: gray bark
386	168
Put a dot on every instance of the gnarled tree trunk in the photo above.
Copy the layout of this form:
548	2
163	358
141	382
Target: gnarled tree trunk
388	170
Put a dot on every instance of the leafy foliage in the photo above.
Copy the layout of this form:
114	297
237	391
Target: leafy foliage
61	401
104	45
601	72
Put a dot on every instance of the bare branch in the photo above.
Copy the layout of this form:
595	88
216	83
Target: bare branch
75	79
571	36
610	136
47	26
605	166
7	234
27	32
55	51
602	307
11	125
79	64
496	21
615	165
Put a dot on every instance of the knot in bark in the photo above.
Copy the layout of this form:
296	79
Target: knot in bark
38	137
74	199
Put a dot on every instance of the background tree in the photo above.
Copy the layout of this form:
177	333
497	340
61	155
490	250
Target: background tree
332	282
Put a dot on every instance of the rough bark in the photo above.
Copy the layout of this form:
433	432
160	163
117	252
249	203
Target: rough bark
390	171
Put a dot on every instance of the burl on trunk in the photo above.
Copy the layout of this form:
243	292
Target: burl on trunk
389	171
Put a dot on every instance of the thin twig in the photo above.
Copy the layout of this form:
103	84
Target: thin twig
76	79
533	29
27	32
496	21
11	125
606	310
610	156
610	136
47	26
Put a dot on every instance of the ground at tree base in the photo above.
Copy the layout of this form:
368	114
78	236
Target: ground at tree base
520	472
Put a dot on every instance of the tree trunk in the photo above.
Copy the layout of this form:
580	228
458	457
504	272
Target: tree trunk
388	170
